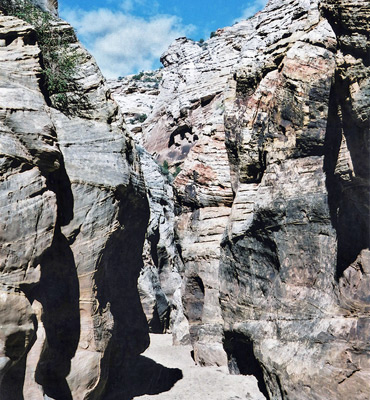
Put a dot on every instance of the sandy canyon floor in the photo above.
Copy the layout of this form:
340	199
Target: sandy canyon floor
196	383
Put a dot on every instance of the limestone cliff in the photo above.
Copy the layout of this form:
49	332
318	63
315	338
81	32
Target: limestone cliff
269	123
73	219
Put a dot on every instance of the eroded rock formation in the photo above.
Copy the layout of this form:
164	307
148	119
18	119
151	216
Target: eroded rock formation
269	122
261	241
73	217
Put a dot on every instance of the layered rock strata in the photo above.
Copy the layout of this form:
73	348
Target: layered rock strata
298	139
264	129
161	278
269	122
73	219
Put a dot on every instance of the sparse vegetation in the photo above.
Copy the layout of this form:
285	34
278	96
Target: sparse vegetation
138	76
178	170
58	58
149	79
138	118
164	168
142	117
213	34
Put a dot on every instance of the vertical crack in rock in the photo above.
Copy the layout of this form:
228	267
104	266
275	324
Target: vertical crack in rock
58	182
154	240
194	299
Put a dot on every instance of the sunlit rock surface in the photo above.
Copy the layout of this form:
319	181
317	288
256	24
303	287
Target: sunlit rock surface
258	252
269	123
73	218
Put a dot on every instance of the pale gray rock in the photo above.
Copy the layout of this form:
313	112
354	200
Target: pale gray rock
73	220
136	95
160	281
269	123
261	242
47	5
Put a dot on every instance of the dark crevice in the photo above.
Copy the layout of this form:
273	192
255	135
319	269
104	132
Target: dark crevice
43	83
348	198
255	171
58	182
311	142
241	358
156	325
204	101
264	235
193	299
153	240
283	392
161	313
179	131
232	144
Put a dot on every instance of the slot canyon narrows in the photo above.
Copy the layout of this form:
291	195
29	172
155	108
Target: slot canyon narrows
198	231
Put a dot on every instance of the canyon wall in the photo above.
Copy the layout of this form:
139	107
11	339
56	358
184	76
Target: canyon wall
248	236
73	218
268	124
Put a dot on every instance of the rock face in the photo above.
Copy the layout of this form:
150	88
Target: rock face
160	280
48	5
269	123
136	95
297	135
261	241
73	220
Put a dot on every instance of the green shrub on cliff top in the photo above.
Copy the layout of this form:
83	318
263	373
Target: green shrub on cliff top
59	59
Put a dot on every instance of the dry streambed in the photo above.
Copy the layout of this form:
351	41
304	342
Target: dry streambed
189	380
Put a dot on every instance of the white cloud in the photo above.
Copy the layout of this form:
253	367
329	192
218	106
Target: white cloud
255	6
150	6
122	43
127	5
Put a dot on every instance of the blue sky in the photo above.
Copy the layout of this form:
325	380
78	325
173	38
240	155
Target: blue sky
127	36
